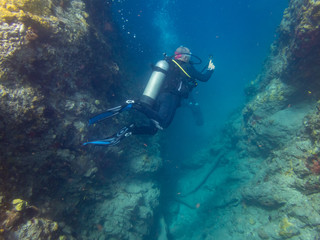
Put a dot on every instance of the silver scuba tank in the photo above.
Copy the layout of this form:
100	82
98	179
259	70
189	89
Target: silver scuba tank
155	83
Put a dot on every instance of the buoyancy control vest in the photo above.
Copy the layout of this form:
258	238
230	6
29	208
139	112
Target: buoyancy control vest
170	76
178	80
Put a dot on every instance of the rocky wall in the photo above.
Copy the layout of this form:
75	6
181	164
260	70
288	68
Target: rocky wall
277	131
261	178
59	65
290	76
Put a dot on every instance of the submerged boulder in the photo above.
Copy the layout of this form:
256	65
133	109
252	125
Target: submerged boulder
59	65
272	145
265	196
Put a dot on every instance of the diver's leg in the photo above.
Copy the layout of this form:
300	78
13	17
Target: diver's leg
147	110
168	104
150	129
196	111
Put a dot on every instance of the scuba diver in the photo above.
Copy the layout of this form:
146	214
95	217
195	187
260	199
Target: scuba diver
172	80
194	106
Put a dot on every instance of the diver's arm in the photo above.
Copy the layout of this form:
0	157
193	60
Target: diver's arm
211	67
200	76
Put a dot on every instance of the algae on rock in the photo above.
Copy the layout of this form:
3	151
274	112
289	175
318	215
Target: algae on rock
56	66
271	149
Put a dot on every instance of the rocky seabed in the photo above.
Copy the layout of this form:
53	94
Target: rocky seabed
259	179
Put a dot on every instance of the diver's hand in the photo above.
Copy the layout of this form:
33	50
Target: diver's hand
211	67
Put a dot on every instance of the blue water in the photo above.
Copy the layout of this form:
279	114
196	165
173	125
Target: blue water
237	33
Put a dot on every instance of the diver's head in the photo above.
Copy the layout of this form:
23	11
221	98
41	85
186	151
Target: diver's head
182	54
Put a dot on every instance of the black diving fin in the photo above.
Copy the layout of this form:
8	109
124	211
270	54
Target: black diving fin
112	112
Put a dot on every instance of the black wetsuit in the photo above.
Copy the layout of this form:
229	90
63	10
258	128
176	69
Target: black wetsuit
180	80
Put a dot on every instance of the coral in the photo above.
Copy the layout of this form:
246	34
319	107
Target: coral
306	30
54	226
31	34
284	225
287	229
12	218
316	167
24	10
37	228
313	164
19	204
315	15
312	124
44	112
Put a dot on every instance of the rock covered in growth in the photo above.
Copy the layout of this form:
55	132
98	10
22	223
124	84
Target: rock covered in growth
146	162
279	129
271	151
37	228
290	77
127	215
58	68
21	221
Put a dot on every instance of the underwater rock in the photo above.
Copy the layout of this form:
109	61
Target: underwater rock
91	172
19	205
281	120
277	129
275	144
11	220
58	68
36	229
265	196
287	229
305	214
132	210
262	234
145	164
22	222
147	161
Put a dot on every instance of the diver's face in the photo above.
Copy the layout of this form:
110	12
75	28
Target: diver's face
185	58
